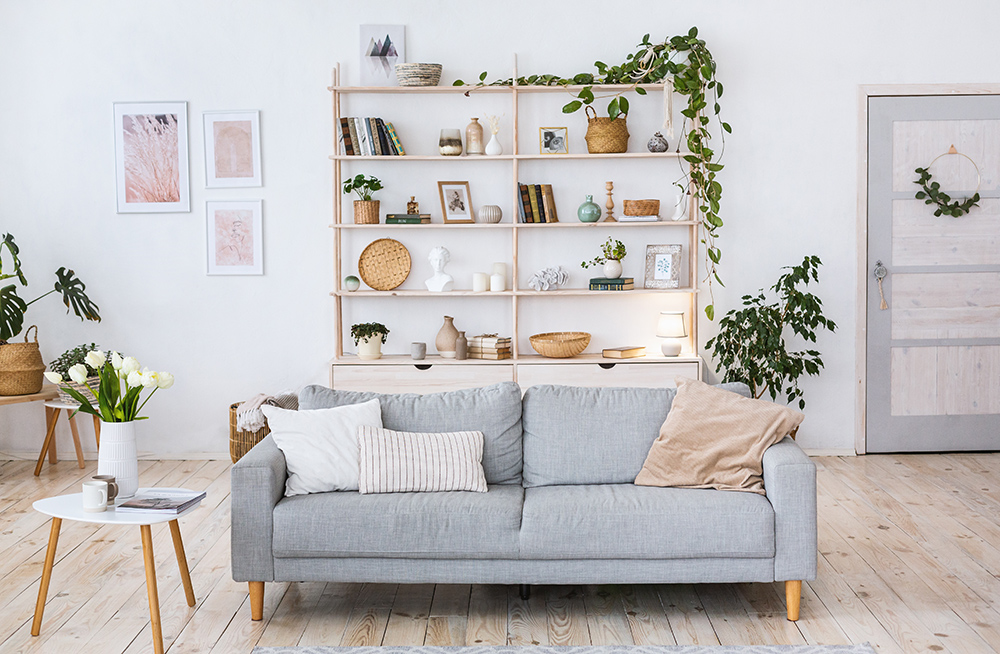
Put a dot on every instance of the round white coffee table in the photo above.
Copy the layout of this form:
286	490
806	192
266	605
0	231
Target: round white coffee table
70	507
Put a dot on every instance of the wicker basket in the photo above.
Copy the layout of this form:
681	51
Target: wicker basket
366	212
240	442
418	74
384	264
82	389
642	207
21	366
606	135
560	345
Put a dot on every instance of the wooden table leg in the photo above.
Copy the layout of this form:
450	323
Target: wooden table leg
50	423
175	531
97	431
53	457
43	588
154	600
76	440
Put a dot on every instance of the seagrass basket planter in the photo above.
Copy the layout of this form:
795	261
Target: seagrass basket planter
21	366
240	442
606	135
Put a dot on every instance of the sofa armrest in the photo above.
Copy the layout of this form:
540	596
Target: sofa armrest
258	483
790	483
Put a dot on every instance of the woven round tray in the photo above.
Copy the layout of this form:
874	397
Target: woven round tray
560	345
384	264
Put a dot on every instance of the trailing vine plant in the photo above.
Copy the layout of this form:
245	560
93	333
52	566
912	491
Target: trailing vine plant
689	64
932	194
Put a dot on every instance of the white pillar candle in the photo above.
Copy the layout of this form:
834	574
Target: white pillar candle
497	283
480	282
500	268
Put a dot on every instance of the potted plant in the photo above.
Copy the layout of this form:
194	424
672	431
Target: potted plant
367	337
751	343
366	210
119	389
21	364
612	253
68	359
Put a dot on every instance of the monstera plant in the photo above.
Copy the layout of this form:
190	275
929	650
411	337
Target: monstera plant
13	307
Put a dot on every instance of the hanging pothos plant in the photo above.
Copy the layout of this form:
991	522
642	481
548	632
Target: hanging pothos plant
687	61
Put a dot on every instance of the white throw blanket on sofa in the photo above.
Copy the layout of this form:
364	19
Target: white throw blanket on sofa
249	417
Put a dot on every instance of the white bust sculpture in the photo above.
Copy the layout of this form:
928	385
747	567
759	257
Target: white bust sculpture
441	281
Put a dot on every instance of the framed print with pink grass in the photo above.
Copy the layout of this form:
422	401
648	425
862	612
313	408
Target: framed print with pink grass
151	157
235	237
232	149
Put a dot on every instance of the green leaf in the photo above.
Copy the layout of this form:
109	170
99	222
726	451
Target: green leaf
482	77
586	94
74	295
639	90
623	104
572	106
613	110
12	309
710	311
458	82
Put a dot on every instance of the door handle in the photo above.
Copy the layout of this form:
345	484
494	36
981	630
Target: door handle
880	273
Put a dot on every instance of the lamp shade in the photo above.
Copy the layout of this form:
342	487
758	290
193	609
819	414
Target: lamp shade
671	325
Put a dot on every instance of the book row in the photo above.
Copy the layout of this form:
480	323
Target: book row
537	204
370	137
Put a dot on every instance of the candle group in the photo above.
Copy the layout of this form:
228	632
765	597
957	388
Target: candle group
495	282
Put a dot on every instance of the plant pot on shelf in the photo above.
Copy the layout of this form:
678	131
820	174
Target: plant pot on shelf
82	389
366	212
117	456
370	348
21	366
606	135
612	269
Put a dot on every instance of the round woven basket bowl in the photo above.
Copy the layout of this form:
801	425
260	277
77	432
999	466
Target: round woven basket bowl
384	264
560	345
418	74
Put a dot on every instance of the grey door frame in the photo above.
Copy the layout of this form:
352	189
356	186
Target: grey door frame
866	91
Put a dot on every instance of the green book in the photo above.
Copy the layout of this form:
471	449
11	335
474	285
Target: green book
621	281
407	219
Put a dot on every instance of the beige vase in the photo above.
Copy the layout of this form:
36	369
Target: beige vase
446	338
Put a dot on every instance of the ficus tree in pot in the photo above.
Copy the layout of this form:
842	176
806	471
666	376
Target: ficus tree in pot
751	344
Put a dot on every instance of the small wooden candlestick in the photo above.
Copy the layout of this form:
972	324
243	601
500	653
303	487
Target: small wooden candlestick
611	203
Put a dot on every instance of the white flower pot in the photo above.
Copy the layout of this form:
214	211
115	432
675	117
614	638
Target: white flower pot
612	269
117	456
370	348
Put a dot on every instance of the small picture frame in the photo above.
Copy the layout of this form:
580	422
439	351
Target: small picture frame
456	202
553	140
235	244
151	157
232	149
663	266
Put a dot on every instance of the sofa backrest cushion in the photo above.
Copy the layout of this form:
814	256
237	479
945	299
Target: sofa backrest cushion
494	410
577	435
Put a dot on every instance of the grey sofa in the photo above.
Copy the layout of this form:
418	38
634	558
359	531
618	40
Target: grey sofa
561	506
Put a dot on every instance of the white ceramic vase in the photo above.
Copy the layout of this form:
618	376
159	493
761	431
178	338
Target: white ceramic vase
493	148
490	213
612	269
117	456
370	348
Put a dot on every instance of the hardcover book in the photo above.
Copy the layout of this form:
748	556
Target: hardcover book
373	133
352	128
627	352
550	203
346	131
395	139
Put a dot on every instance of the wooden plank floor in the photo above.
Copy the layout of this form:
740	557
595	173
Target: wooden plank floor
909	561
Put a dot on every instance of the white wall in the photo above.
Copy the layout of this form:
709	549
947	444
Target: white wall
790	70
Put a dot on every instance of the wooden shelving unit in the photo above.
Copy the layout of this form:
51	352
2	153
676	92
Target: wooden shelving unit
511	160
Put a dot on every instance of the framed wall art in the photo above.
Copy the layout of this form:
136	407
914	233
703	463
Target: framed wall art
235	237
151	157
382	47
663	266
553	140
232	149
456	202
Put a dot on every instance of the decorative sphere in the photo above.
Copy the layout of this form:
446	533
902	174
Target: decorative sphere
352	283
490	213
657	143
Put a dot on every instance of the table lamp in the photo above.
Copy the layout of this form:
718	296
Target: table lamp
671	328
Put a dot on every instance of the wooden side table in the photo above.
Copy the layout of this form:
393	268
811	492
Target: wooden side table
70	507
52	410
48	393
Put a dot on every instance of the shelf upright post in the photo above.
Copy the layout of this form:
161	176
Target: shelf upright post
513	217
337	210
693	253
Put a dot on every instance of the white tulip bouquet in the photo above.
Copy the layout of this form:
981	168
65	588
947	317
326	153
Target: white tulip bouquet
120	387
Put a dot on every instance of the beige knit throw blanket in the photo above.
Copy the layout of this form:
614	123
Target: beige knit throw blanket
249	417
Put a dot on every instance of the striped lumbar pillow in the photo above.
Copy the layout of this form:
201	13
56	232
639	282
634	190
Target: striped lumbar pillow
399	461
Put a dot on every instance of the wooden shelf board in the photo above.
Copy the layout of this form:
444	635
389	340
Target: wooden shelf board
607	155
509	157
402	359
417	293
678	223
603	224
584	291
534	359
419	157
571	292
425	226
524	359
574	88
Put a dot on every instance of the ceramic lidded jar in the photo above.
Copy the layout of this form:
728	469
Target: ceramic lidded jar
589	211
446	338
474	137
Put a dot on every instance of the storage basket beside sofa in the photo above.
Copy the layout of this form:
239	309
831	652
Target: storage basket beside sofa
240	442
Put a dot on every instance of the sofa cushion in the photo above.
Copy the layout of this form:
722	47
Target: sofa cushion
400	525
623	521
576	435
403	461
494	410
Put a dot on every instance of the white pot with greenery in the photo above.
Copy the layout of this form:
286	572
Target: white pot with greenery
369	337
612	253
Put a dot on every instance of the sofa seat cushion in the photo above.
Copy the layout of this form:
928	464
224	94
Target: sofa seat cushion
624	521
455	524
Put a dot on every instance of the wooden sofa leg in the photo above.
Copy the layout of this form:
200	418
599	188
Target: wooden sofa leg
257	600
793	595
524	590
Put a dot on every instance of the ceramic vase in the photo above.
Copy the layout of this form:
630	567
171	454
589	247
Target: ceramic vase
117	456
589	211
657	143
490	213
352	283
474	137
612	269
370	348
446	338
493	148
461	347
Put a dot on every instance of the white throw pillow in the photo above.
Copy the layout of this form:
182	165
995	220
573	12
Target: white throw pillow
321	445
400	462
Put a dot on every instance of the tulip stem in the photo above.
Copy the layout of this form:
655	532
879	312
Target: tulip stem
146	400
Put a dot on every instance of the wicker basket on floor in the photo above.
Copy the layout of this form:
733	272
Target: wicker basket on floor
240	442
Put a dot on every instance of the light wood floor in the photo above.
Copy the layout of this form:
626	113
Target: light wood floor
909	561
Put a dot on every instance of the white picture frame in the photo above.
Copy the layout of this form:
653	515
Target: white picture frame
232	149
382	47
151	157
227	249
553	140
663	266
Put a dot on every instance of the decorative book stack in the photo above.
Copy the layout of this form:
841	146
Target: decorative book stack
488	346
369	137
537	204
605	284
407	218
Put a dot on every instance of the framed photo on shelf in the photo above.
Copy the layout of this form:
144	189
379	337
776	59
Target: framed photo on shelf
553	140
663	266
456	202
232	149
382	47
151	157
235	242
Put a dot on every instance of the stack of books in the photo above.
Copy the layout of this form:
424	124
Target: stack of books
637	219
369	137
169	501
489	346
605	284
537	204
407	218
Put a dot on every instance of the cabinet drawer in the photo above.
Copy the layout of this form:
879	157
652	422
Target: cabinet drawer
646	375
407	378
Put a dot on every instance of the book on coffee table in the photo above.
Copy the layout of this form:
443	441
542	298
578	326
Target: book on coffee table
161	500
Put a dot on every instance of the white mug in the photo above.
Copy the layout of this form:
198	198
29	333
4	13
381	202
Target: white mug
95	496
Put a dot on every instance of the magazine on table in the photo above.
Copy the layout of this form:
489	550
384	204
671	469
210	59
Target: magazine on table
161	500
